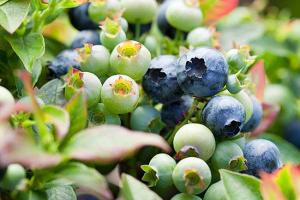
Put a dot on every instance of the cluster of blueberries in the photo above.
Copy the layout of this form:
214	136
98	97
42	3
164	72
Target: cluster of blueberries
197	96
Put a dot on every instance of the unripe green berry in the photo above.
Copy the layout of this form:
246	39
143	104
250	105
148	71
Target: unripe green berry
95	59
139	11
158	173
200	37
99	115
130	58
112	34
120	94
184	196
233	84
236	60
229	155
14	174
184	15
216	192
146	118
198	138
5	96
191	175
100	9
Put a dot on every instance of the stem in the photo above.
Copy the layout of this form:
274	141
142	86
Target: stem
137	31
190	113
178	37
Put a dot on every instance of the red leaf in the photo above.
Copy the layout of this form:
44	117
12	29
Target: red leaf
270	114
269	189
220	9
258	76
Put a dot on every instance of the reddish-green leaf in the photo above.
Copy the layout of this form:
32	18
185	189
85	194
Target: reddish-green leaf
58	117
216	9
258	76
18	147
108	143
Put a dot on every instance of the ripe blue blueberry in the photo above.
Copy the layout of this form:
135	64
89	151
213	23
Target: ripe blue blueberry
262	156
60	65
256	117
160	81
224	116
162	22
292	132
175	112
80	19
202	72
158	173
86	36
86	197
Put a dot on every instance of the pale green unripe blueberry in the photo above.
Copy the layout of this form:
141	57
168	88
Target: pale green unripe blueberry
96	61
244	98
14	174
229	155
99	115
120	94
200	37
139	11
191	175
112	34
130	58
184	196
151	44
233	84
184	15
100	9
158	173
5	96
124	24
236	60
216	192
195	136
92	88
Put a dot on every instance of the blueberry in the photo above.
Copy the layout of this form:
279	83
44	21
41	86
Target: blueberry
60	65
194	140
14	174
86	36
87	197
202	72
256	117
191	175
224	115
261	155
184	196
162	22
174	113
216	192
159	171
5	96
292	132
79	18
200	37
160	81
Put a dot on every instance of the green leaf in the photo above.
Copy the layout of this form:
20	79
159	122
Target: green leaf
77	109
29	48
58	117
3	1
31	195
19	147
86	179
36	71
133	189
108	144
12	13
289	153
61	193
240	186
53	92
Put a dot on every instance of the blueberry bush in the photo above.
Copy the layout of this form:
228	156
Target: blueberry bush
146	99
